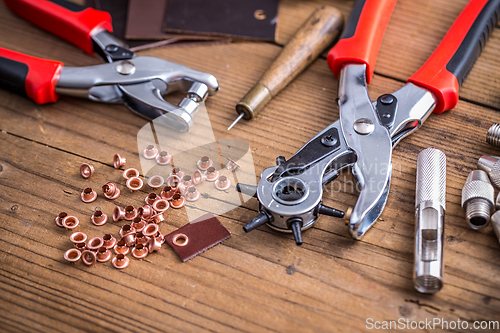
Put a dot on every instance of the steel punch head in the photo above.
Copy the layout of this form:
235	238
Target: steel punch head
491	165
430	206
477	199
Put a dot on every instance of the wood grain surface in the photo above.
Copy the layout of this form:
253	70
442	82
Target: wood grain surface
255	282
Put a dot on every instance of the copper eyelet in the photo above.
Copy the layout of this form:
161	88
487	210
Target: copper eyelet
192	194
86	170
151	198
99	218
150	152
118	214
180	240
140	238
139	251
232	165
109	241
119	161
130	213
160	205
70	222
158	218
72	255
88	195
89	257
95	243
130	173
223	183
187	181
139	224
173	181
59	219
103	254
212	174
81	247
110	191
120	261
135	183
121	247
156	181
163	158
204	163
150	230
177	201
78	237
168	192
154	244
127	229
146	212
198	177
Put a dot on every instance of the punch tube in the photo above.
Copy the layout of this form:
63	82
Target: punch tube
430	205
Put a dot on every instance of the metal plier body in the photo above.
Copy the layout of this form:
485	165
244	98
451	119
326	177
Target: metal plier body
290	194
136	81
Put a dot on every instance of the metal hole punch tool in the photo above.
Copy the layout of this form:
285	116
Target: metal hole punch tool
290	194
139	82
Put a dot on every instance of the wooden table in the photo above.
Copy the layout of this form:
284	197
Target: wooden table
260	281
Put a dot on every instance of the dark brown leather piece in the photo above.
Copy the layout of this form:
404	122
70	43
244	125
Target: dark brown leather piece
202	234
223	18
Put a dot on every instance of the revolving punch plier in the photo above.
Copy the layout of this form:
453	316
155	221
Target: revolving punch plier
139	82
290	193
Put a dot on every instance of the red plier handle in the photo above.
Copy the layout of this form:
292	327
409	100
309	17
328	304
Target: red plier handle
447	67
37	78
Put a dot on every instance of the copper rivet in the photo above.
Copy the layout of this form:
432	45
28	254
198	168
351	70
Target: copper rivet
130	213
109	241
134	183
110	191
72	255
139	251
160	205
81	247
180	240
86	170
177	172
223	183
150	230
151	198
139	224
88	195
121	247
156	181
120	261
70	222
130	173
99	218
198	177
177	201
232	165
192	194
59	219
118	161
103	254
204	163
118	214
88	257
78	237
163	158
212	174
95	243
150	152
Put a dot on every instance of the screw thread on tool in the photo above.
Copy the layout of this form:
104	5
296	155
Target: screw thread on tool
477	212
493	135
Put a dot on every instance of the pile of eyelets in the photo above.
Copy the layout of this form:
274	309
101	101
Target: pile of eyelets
142	236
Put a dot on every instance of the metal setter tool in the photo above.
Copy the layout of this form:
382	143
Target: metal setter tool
290	194
319	31
430	205
137	82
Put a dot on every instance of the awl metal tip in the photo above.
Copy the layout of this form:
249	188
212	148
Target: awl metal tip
235	121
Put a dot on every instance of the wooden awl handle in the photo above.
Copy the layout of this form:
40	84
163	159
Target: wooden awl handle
318	32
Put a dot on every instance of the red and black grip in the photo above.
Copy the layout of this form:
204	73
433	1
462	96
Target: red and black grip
447	68
362	36
29	76
72	22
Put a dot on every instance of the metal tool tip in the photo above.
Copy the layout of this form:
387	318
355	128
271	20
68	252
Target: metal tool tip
235	121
